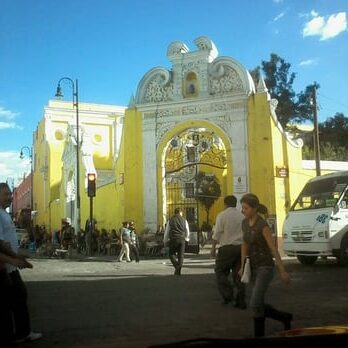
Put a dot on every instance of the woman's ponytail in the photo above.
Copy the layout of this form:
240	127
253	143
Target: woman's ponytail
262	209
253	201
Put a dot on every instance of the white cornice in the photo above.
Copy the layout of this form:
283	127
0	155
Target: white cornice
170	105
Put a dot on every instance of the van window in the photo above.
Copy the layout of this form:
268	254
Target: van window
320	194
344	201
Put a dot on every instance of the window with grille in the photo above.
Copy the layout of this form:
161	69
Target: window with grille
190	214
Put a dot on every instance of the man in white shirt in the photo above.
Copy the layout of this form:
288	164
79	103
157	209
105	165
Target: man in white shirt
17	292
228	234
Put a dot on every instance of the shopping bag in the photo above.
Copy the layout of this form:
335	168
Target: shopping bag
246	276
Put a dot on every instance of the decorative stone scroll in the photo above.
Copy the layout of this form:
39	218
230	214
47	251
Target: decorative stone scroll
156	86
225	80
176	48
157	91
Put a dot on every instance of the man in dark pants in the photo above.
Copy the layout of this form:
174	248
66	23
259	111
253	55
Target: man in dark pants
6	326
177	232
228	234
18	291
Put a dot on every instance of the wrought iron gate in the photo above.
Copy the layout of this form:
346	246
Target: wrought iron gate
184	156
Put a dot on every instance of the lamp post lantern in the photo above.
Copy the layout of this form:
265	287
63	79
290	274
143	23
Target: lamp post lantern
75	90
21	156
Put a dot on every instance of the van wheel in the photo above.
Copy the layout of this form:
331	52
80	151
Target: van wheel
307	260
343	253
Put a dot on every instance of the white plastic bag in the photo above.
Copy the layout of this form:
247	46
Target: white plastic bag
246	276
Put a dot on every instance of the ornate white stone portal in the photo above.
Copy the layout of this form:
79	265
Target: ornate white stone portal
200	87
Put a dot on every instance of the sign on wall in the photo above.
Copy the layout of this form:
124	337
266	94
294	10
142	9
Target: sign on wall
239	184
282	172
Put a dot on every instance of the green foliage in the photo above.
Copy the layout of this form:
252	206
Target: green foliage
328	152
304	108
298	108
208	190
335	130
333	140
279	80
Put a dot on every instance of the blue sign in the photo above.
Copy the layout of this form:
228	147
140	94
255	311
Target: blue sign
322	218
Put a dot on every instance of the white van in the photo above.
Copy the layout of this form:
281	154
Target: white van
317	223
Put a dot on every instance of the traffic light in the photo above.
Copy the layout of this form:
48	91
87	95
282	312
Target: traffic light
91	184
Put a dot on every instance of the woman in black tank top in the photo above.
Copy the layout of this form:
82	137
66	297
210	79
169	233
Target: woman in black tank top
259	247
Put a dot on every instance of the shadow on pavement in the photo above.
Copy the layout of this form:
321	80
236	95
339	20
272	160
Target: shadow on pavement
142	310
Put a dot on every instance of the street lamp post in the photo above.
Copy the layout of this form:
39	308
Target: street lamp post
74	86
21	156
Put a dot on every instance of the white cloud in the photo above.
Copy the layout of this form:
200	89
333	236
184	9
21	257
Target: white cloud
334	25
7	119
10	125
7	114
277	1
313	13
7	125
276	18
325	28
307	62
12	167
314	27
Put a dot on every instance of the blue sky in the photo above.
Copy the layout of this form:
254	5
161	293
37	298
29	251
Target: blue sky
110	44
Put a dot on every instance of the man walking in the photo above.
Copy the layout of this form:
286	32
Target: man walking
17	289
228	234
134	246
176	233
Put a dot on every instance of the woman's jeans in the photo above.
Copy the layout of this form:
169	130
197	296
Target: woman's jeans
124	251
261	278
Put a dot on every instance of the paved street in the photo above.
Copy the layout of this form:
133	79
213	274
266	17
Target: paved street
98	302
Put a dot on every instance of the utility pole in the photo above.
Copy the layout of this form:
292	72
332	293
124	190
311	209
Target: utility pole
316	131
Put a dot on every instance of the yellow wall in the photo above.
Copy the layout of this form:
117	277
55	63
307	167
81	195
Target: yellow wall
119	201
97	121
269	148
55	208
133	167
39	193
261	165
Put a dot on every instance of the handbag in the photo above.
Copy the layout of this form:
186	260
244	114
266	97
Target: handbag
246	276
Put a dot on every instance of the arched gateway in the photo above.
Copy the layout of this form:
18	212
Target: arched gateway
194	124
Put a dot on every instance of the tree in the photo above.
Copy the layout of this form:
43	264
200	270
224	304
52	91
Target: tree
333	139
304	107
335	130
207	191
279	81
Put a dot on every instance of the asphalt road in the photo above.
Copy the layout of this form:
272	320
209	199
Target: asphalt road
98	302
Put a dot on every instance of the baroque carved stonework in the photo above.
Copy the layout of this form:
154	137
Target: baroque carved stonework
189	110
161	129
164	113
194	66
224	121
157	90
226	81
227	106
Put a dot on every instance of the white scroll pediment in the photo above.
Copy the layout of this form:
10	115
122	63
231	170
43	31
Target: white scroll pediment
218	76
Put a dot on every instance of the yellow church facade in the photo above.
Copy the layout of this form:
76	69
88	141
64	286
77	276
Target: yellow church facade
192	134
